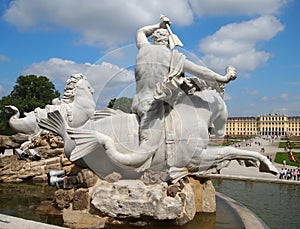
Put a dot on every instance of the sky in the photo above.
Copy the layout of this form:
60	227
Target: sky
97	38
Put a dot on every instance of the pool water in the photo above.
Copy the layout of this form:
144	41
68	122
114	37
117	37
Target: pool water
21	200
277	205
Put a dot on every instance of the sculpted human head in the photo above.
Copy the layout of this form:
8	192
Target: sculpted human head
160	37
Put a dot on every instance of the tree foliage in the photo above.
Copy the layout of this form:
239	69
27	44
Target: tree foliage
29	92
123	104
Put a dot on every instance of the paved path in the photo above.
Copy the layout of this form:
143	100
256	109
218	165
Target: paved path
10	222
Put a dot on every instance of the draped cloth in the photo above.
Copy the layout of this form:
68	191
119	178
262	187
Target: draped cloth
174	78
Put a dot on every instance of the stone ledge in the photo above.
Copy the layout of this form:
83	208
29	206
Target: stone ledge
11	222
248	218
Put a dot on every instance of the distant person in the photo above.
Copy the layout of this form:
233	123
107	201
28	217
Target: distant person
285	173
294	174
281	174
289	174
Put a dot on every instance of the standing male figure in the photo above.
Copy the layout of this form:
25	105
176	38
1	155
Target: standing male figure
157	63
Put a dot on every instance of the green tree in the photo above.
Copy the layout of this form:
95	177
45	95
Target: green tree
111	103
123	104
29	92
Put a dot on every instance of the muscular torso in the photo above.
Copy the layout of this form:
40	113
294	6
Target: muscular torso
152	66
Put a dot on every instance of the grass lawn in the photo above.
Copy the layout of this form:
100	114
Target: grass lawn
294	145
280	156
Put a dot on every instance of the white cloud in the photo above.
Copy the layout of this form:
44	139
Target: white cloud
294	83
237	7
284	96
265	99
98	22
297	97
276	98
3	58
236	43
108	80
250	91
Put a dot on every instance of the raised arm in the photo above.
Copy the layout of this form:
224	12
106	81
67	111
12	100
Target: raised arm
207	74
143	34
146	31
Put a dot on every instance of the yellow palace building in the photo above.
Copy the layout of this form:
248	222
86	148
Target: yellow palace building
266	124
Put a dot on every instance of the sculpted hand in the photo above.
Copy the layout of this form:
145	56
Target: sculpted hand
231	73
164	20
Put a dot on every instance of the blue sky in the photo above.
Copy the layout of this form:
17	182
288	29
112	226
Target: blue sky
97	38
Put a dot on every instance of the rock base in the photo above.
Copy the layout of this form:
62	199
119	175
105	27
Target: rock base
132	201
18	167
12	169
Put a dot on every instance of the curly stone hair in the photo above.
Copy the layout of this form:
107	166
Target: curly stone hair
69	90
160	36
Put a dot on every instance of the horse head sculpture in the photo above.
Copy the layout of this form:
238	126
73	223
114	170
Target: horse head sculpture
76	107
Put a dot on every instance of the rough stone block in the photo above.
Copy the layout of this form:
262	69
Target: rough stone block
41	178
209	197
87	178
81	199
205	199
132	198
63	198
81	219
50	167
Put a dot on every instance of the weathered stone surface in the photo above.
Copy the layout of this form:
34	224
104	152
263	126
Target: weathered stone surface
63	198
53	160
41	178
70	182
48	152
8	142
65	161
209	197
5	162
187	196
86	178
46	139
173	190
72	169
125	200
197	187
56	166
205	198
82	220
14	170
132	198
81	199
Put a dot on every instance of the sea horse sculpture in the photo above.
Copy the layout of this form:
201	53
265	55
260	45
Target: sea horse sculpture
109	142
168	127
